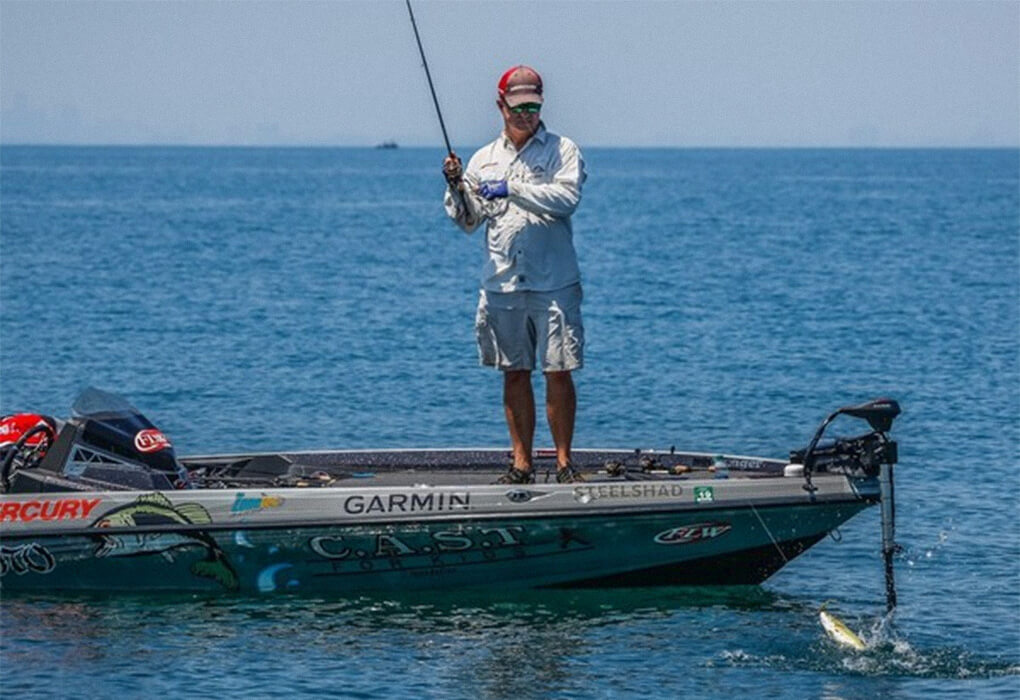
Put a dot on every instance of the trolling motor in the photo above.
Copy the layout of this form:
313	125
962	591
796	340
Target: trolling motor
873	453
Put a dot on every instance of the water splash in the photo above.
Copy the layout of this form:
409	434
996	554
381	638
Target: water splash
900	657
882	631
897	658
918	555
888	653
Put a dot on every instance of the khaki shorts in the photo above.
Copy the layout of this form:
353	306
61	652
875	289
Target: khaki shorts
516	328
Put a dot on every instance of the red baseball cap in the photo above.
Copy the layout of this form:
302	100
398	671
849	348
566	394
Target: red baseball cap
520	85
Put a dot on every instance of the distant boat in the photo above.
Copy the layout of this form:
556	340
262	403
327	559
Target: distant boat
387	144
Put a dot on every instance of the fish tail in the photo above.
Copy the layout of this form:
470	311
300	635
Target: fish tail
217	568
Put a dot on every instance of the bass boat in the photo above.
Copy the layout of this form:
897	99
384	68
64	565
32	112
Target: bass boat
101	502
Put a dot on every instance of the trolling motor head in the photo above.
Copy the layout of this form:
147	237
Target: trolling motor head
879	413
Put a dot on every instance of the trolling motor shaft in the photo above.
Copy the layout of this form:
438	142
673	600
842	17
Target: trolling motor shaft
889	546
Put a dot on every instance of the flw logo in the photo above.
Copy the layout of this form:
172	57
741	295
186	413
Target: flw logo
693	533
151	440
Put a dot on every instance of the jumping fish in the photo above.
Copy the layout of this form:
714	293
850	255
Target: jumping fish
839	632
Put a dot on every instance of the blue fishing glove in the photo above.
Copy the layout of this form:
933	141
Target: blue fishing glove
492	189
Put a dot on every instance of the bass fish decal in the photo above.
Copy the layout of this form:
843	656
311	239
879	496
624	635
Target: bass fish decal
156	509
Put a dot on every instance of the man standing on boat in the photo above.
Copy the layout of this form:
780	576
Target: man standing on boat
524	186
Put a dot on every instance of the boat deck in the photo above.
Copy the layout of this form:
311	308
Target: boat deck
461	467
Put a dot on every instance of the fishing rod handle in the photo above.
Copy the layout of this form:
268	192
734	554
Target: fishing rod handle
462	196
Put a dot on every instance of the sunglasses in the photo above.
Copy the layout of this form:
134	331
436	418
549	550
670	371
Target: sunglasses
529	108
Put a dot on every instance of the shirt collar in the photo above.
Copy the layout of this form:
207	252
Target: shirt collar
540	135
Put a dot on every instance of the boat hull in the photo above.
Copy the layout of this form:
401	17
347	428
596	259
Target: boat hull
656	545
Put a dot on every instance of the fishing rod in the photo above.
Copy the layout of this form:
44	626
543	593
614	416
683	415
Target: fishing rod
428	76
439	113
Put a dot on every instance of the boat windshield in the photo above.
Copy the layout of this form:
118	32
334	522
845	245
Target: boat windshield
93	402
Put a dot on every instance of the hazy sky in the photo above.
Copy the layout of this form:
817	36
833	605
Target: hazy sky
836	73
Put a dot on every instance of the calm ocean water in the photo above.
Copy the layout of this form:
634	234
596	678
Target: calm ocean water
256	299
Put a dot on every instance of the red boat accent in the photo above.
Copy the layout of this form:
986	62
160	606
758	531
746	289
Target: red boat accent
13	427
48	509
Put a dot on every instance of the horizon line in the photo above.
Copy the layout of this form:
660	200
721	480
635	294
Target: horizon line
397	146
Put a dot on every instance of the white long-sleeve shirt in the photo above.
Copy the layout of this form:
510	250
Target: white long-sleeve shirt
529	235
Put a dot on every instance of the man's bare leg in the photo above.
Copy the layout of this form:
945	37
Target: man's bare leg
560	410
519	405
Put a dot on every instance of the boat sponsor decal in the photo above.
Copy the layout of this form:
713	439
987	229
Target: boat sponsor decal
248	504
585	494
524	495
746	464
704	494
432	502
698	532
155	509
48	509
151	440
435	552
27	557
